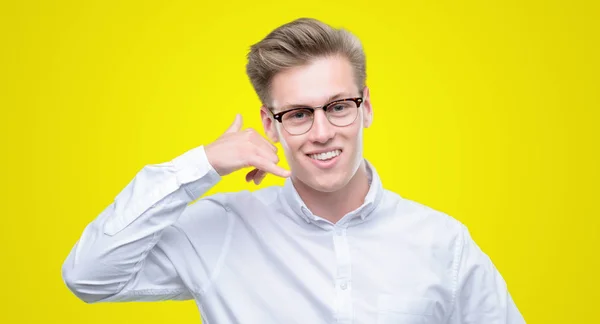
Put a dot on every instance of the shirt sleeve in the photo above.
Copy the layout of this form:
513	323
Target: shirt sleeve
482	295
118	257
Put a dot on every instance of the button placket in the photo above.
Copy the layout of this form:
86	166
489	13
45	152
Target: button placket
343	276
344	285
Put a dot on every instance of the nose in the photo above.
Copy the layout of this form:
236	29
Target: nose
322	130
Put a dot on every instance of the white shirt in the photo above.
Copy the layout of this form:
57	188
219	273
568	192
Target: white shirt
263	257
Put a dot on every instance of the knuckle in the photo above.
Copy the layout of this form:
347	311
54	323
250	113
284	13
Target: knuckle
251	135
253	159
254	150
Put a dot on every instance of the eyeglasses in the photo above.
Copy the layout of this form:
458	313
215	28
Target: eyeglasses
298	121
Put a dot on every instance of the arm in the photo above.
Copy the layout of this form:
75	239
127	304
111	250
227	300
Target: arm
127	252
120	255
482	295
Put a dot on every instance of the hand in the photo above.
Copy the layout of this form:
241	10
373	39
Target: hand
237	149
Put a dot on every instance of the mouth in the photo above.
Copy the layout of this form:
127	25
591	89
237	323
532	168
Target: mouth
325	160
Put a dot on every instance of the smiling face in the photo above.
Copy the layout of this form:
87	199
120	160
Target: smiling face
326	157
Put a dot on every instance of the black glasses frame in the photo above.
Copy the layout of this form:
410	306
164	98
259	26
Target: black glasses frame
278	116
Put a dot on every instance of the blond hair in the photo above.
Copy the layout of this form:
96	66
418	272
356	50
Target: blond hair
298	43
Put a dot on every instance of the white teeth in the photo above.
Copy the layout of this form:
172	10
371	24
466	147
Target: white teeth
325	156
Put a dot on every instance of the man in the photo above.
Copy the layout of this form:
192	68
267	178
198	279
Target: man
330	246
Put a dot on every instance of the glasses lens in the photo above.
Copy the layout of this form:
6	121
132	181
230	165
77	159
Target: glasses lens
297	121
342	113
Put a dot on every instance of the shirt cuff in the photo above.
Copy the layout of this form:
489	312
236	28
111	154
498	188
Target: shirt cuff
191	166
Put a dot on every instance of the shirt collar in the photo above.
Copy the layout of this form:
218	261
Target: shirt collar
372	199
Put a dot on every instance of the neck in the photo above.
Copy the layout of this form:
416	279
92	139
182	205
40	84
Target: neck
332	206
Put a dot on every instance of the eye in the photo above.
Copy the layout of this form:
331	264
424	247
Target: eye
298	115
338	107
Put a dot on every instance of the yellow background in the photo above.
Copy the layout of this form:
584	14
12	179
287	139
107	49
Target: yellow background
485	110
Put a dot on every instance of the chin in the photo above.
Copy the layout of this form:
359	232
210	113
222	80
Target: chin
323	180
326	182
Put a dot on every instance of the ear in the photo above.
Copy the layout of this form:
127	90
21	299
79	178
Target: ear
269	124
367	108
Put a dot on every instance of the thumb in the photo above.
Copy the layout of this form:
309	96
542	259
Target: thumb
236	126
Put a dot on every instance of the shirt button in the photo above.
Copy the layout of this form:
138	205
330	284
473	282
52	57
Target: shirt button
344	286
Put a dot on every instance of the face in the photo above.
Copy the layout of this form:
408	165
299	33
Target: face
315	85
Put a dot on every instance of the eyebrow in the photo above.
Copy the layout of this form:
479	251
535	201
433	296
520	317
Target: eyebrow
330	99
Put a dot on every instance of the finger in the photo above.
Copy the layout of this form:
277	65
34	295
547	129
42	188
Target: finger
250	175
236	125
267	149
268	143
260	140
259	176
263	164
267	154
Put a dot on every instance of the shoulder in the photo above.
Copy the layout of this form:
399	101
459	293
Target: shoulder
212	217
249	200
215	206
423	222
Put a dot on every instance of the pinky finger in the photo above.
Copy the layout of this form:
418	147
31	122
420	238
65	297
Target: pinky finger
259	176
251	175
268	166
